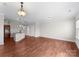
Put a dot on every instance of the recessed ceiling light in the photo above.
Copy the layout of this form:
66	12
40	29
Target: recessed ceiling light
69	10
4	4
49	17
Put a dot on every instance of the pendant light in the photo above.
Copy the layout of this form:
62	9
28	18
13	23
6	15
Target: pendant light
21	12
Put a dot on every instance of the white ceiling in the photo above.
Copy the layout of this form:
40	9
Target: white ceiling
41	11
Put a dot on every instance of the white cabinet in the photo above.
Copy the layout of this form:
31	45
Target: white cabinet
19	36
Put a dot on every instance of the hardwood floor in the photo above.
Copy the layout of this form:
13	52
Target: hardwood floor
9	42
31	47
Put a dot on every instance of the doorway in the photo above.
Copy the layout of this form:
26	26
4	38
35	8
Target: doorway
8	40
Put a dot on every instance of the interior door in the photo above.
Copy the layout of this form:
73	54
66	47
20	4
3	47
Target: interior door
7	36
6	31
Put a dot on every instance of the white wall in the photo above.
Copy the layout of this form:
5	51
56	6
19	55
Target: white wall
63	29
31	30
37	29
1	29
77	33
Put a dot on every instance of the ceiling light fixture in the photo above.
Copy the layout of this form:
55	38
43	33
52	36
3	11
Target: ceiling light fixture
21	12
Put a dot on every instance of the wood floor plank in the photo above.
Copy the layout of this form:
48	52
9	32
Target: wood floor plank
34	47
